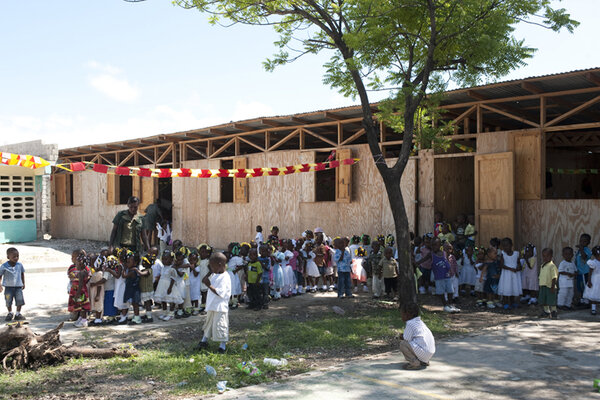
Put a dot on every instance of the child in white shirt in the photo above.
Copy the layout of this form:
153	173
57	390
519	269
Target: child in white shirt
216	326
417	344
567	271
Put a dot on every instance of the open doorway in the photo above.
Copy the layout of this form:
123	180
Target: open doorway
454	186
165	197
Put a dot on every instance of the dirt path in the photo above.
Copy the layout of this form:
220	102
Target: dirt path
553	360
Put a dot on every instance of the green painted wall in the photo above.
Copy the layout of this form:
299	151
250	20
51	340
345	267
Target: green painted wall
18	231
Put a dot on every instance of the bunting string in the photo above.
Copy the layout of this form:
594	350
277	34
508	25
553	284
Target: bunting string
204	173
21	160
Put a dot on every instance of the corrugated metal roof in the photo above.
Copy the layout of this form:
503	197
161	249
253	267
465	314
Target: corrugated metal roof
575	79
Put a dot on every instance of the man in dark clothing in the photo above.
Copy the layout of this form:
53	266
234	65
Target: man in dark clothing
152	217
127	228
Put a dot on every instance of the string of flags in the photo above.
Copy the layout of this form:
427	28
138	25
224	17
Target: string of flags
22	160
205	173
570	171
33	162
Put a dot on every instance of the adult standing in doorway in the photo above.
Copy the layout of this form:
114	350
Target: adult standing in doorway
153	216
127	228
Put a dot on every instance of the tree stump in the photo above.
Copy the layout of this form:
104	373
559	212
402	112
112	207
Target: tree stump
21	348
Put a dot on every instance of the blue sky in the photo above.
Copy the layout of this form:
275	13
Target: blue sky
84	72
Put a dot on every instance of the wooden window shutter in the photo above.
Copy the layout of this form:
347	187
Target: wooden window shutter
240	185
343	177
77	193
60	189
309	181
214	184
136	186
148	194
111	186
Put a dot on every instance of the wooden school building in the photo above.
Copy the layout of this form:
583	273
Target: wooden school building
524	159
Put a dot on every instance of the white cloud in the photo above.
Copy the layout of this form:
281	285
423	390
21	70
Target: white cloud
110	69
108	80
115	88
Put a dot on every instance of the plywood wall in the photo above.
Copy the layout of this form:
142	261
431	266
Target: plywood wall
557	223
493	142
528	164
272	200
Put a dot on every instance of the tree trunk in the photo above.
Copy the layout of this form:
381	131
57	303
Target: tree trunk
406	281
21	348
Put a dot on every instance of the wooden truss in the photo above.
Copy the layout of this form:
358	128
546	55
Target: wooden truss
555	113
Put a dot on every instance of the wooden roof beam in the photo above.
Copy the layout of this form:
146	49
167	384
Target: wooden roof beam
590	76
216	131
272	123
300	121
244	128
333	116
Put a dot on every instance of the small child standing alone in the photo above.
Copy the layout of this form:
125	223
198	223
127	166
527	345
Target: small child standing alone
12	275
216	326
567	272
548	280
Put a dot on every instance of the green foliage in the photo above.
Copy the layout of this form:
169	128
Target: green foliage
409	48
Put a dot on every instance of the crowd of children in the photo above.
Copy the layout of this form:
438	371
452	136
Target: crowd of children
122	286
499	276
104	287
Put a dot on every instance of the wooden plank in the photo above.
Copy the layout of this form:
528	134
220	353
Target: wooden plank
148	192
245	140
426	191
528	162
352	138
308	187
240	185
521	98
462	116
284	140
223	148
509	115
77	194
214	184
556	223
574	111
60	189
573	127
324	139
136	187
493	142
343	178
110	189
494	196
479	119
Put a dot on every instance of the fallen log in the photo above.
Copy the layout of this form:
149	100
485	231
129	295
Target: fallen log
21	348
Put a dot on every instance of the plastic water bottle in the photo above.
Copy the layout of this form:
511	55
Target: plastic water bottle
275	362
211	371
221	386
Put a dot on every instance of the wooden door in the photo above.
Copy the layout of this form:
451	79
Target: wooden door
343	175
494	196
240	185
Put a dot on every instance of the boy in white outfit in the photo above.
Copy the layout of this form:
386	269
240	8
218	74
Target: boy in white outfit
417	344
567	271
216	326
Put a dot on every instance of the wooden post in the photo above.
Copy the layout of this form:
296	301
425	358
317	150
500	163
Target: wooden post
340	133
174	161
542	111
267	140
466	126
301	135
209	149
237	146
479	119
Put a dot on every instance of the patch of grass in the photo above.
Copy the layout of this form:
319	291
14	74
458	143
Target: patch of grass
178	365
